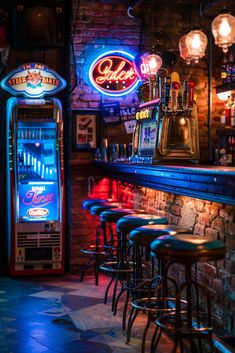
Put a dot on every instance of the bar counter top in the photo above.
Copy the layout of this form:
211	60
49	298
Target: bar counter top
212	183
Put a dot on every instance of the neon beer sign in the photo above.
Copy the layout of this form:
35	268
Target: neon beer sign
113	73
33	80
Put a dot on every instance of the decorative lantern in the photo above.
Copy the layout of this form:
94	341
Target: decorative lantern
223	29
151	63
196	42
183	50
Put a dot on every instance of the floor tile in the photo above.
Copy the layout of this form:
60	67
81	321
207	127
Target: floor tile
62	315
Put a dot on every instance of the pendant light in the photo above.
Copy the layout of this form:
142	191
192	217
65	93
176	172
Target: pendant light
223	29
184	50
196	42
192	45
151	63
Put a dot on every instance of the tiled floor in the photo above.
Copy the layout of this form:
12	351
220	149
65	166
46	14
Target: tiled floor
59	314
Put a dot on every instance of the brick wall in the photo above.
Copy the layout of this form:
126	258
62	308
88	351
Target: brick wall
205	218
100	26
208	219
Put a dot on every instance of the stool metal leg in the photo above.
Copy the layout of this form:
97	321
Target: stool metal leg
107	290
133	315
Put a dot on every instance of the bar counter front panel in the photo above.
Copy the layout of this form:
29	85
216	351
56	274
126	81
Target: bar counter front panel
210	183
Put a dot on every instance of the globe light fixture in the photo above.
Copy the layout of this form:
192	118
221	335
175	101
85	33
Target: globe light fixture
151	63
196	42
184	54
223	29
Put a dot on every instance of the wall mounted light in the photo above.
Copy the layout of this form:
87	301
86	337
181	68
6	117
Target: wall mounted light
196	42
223	29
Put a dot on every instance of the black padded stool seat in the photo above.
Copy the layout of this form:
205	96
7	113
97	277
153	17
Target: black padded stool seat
184	248
88	203
97	209
144	235
114	214
191	321
129	222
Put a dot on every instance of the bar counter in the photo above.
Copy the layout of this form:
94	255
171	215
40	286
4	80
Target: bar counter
212	183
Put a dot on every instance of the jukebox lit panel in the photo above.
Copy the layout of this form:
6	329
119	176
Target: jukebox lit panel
37	172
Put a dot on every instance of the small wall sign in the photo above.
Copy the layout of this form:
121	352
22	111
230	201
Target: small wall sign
110	112
113	73
33	80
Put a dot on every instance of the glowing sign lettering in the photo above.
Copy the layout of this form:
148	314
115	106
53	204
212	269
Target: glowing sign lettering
114	73
33	80
37	212
38	202
33	197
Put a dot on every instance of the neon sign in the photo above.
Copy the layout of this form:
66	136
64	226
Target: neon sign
113	73
33	80
38	202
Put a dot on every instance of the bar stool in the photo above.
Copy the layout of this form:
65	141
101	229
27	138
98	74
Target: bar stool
111	216
188	322
103	247
147	293
88	203
124	265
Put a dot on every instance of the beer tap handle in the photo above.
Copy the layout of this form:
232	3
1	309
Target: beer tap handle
167	102
185	94
191	85
162	74
175	85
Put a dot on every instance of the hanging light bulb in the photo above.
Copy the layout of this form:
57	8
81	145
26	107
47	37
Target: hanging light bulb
151	63
196	42
183	50
223	29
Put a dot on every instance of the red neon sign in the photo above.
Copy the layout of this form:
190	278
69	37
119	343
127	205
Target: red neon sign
113	74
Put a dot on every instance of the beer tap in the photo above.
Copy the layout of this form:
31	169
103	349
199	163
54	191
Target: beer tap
167	98
185	95
175	85
191	85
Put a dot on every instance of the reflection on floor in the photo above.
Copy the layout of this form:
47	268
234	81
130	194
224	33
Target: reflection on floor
59	314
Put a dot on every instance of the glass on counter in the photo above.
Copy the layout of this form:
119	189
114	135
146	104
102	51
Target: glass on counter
113	152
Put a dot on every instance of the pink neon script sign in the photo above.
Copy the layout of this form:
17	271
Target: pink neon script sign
113	74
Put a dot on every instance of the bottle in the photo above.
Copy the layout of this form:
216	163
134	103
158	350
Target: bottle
231	65
232	119
222	157
223	73
229	105
104	150
233	73
228	72
229	151
223	119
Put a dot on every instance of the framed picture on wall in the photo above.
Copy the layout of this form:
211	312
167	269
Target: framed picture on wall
86	129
